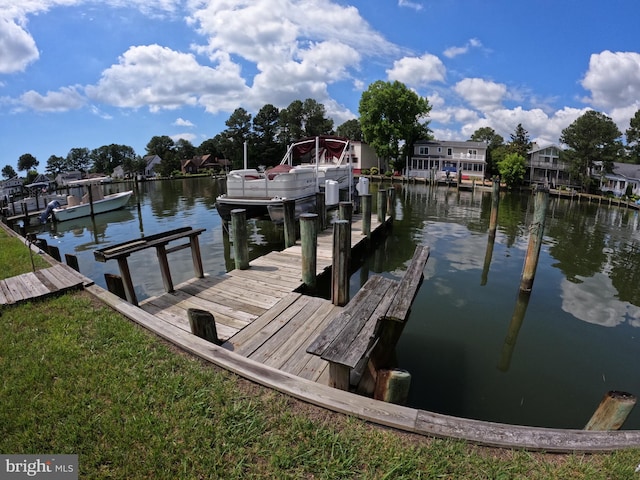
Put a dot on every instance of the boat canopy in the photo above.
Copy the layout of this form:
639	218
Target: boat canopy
334	146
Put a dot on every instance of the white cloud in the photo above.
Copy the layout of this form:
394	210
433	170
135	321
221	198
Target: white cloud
181	122
418	71
17	47
409	4
67	98
452	52
189	137
481	94
613	79
160	78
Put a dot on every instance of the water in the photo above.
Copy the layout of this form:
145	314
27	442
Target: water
474	347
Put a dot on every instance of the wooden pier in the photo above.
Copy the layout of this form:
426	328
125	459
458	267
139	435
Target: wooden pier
41	283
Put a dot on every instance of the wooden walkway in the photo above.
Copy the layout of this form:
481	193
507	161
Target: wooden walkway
41	283
258	312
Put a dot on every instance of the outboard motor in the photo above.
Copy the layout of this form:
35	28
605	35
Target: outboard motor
47	212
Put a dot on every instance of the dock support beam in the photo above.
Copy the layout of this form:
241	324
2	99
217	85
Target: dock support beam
340	266
536	230
612	412
239	232
309	243
203	325
366	214
289	212
382	205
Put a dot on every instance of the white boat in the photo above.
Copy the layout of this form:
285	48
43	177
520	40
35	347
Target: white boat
97	202
303	171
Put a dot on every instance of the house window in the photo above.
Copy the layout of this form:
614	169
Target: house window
472	152
439	149
449	152
423	150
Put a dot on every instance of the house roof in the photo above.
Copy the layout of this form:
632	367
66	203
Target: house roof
451	143
627	170
535	148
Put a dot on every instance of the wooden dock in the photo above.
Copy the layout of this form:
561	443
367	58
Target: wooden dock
41	283
259	312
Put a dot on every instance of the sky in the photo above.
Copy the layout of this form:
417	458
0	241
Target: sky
88	73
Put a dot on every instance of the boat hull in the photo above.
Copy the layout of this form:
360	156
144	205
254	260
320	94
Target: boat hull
106	204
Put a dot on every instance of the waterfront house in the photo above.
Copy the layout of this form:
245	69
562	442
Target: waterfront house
150	164
545	167
363	157
10	187
201	163
444	160
64	178
624	179
118	172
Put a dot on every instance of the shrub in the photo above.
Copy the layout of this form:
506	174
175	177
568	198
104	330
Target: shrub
374	171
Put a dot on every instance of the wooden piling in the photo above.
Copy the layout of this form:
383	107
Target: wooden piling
309	244
290	236
391	202
115	285
382	205
612	412
321	210
536	230
345	211
340	264
495	203
365	202
72	261
392	386
54	252
240	241
203	325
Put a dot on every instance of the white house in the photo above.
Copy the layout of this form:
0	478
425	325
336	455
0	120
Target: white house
64	178
624	176
446	159
10	187
363	157
151	161
544	166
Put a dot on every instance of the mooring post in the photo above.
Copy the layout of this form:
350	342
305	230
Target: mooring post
289	207
309	244
345	211
340	264
239	233
72	261
536	230
495	203
203	325
321	210
365	202
612	412
382	205
392	386
115	285
391	202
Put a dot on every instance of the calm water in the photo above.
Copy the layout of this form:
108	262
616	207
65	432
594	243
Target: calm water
473	346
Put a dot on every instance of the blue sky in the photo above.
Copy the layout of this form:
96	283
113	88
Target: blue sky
82	73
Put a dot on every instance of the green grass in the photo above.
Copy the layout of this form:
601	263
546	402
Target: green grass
15	258
78	378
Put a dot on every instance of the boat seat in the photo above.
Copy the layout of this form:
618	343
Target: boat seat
72	200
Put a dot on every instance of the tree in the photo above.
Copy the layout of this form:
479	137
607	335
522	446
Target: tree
184	150
79	159
493	141
314	120
209	147
238	131
108	157
163	146
55	166
265	133
512	169
350	129
592	137
633	138
27	162
291	123
8	172
520	142
391	114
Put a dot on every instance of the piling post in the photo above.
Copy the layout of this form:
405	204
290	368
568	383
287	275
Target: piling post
309	244
536	229
345	211
392	386
203	325
366	214
340	264
391	202
321	210
382	205
612	412
239	233
72	261
495	203
289	207
115	285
